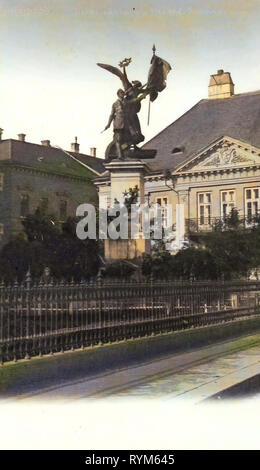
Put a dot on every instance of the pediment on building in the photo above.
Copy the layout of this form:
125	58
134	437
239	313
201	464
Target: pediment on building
223	154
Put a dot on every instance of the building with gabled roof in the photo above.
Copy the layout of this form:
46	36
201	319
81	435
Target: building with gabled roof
208	160
33	175
236	116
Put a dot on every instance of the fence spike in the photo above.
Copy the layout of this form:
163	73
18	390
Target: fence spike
99	277
28	279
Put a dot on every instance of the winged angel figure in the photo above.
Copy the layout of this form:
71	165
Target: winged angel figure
127	129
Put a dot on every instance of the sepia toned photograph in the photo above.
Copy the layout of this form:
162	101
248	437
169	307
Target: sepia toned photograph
129	227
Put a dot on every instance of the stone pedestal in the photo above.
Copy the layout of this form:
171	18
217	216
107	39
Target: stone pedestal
126	249
124	175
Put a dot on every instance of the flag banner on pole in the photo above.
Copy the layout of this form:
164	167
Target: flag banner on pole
157	76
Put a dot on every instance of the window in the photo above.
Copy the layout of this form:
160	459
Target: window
204	207
228	202
44	203
252	202
163	203
1	181
24	206
178	150
63	210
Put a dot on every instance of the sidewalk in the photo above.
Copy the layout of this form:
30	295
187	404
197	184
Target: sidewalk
125	363
194	375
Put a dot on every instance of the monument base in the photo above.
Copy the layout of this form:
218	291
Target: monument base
126	249
135	153
141	154
123	175
126	174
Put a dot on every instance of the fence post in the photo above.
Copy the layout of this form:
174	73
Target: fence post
256	302
81	321
14	323
50	301
61	290
152	304
234	301
1	321
99	289
28	295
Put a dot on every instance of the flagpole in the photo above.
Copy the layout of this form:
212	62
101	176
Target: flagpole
149	109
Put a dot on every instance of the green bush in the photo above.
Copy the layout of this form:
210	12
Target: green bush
119	269
46	243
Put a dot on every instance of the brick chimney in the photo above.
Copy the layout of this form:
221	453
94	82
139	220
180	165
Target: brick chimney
221	85
21	137
46	143
93	152
75	146
1	133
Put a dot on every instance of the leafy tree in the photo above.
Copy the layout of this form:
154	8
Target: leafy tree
131	197
231	248
41	226
159	263
228	252
194	263
14	260
119	269
72	257
46	243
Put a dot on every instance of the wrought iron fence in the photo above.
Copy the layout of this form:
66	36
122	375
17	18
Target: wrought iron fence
47	317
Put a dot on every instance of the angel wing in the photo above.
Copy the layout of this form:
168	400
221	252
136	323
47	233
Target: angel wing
122	75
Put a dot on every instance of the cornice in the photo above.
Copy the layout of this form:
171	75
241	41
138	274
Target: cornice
46	173
217	171
216	183
157	177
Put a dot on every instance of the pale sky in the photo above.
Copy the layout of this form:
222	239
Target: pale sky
51	87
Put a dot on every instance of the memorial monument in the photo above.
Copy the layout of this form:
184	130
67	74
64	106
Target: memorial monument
125	161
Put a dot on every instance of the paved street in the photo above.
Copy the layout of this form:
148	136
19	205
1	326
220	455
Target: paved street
193	376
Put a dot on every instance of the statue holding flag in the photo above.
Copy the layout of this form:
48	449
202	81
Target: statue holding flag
124	113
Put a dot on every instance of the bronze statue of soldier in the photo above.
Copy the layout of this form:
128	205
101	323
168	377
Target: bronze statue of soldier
124	113
127	129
